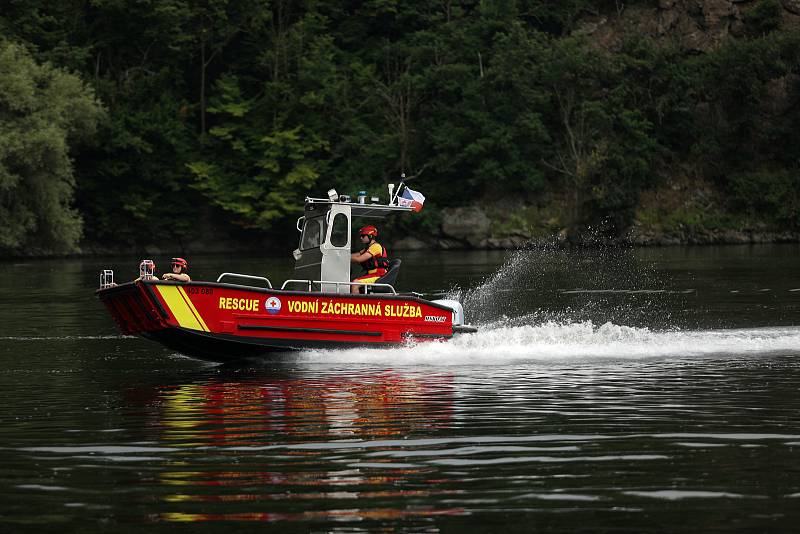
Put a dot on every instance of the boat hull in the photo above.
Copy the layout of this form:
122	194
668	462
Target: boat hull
222	322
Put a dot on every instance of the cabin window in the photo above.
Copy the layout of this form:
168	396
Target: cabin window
340	230
312	233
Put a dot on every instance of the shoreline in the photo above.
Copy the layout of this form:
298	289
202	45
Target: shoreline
444	243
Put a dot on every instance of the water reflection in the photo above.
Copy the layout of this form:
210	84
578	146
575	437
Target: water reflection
245	442
250	411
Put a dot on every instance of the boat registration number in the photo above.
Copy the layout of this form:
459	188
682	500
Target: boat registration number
199	290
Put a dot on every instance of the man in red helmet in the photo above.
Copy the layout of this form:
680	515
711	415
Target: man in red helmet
179	271
373	258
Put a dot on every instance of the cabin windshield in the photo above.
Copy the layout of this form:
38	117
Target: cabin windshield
313	233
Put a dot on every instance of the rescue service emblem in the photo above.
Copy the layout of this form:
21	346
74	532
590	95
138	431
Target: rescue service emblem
272	305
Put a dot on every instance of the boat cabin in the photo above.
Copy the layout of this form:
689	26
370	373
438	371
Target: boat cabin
322	259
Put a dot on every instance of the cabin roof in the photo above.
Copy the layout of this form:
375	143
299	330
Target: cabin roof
356	209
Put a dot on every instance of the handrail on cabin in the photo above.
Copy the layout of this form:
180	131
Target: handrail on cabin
311	282
247	276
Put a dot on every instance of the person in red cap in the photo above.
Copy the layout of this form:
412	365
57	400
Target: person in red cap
373	258
179	271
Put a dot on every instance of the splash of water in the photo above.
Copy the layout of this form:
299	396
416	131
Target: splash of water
521	273
532	278
548	334
556	341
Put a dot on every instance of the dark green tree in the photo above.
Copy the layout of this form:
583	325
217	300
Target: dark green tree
44	113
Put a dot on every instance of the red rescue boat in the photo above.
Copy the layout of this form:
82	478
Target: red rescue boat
222	320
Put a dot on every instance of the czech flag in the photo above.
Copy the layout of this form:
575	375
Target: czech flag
412	199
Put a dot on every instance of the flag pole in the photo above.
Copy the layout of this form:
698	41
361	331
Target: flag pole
397	191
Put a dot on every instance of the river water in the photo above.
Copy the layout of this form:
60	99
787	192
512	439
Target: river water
653	390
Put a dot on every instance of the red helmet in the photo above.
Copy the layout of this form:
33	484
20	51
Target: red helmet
369	230
181	262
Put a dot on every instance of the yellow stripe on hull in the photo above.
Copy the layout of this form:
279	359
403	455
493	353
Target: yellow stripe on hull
194	310
182	308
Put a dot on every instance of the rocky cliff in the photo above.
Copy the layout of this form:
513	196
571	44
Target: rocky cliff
692	25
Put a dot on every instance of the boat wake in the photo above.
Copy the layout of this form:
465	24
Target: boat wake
593	330
555	341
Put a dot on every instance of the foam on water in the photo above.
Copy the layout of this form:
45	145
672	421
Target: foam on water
570	341
548	335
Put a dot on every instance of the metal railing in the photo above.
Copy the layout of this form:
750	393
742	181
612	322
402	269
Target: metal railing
247	276
310	283
106	278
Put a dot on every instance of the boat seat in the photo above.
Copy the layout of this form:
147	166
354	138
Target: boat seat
389	278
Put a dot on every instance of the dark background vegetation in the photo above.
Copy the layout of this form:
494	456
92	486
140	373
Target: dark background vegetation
128	123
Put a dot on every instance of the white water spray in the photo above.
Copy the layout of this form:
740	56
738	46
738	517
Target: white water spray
572	342
544	335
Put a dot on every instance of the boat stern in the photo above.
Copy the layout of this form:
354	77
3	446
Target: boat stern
134	307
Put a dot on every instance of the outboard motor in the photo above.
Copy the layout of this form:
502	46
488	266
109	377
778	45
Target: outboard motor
458	310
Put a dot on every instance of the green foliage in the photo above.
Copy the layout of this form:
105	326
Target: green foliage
690	219
774	195
762	18
44	112
233	111
129	187
263	155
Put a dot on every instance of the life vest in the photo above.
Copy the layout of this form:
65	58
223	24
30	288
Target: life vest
377	264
